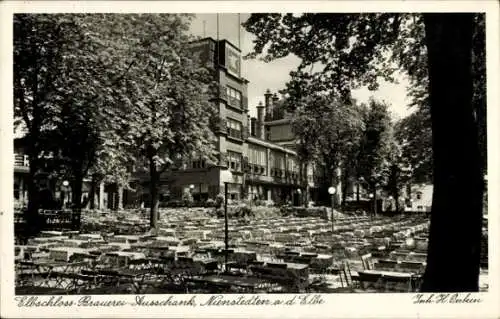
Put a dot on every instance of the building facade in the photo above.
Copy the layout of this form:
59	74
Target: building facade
258	152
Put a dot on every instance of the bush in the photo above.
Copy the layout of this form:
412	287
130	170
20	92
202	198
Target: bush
210	203
219	212
187	198
219	201
244	211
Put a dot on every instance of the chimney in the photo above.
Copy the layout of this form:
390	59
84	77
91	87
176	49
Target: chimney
260	121
268	98
253	126
275	107
275	99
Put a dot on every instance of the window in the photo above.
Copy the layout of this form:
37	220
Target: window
419	195
257	157
278	164
234	161
233	97
198	164
234	128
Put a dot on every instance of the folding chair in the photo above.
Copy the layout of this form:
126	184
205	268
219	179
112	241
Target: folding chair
367	262
398	283
371	283
388	265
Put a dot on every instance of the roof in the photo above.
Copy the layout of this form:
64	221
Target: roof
257	141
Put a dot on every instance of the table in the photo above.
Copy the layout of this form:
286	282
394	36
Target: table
49	273
116	277
223	283
401	281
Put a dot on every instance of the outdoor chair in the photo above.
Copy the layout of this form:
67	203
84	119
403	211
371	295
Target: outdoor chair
346	279
371	283
399	283
413	267
388	265
367	262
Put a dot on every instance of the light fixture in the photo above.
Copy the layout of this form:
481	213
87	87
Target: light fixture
65	183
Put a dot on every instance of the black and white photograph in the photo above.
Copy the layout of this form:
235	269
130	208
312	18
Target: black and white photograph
248	154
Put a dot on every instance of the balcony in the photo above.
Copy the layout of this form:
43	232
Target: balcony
21	163
21	160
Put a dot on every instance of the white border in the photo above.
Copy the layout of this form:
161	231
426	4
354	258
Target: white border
337	305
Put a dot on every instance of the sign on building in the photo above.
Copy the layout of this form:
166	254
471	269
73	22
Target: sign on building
233	61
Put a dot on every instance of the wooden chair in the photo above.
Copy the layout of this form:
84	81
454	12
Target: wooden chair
398	283
389	265
367	262
413	267
346	278
371	283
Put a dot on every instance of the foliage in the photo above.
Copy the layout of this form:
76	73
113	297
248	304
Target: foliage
376	146
42	85
219	200
114	91
414	136
342	48
210	203
340	52
327	129
187	198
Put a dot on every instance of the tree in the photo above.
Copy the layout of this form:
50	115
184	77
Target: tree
110	90
169	108
40	43
328	129
87	86
356	49
375	149
457	156
414	135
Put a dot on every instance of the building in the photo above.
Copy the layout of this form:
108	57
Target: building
260	157
259	152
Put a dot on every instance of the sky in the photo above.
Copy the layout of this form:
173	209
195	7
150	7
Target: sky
275	74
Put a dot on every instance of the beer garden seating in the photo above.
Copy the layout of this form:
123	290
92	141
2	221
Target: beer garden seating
278	253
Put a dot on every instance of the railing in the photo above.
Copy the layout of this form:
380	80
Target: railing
21	160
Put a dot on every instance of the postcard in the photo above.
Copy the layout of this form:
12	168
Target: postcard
240	159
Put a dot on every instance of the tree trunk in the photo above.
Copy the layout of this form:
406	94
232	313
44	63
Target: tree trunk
396	200
76	199
93	189
32	217
455	231
357	192
154	181
345	185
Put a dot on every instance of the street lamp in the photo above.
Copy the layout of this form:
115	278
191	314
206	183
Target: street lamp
226	176
331	191
371	199
299	192
65	185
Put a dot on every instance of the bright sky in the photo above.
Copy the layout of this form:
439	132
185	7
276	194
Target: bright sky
274	75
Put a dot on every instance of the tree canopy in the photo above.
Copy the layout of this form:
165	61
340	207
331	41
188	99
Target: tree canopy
340	52
110	91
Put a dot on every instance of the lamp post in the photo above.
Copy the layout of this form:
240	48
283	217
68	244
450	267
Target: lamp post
191	189
331	191
65	185
371	200
226	176
299	193
390	203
